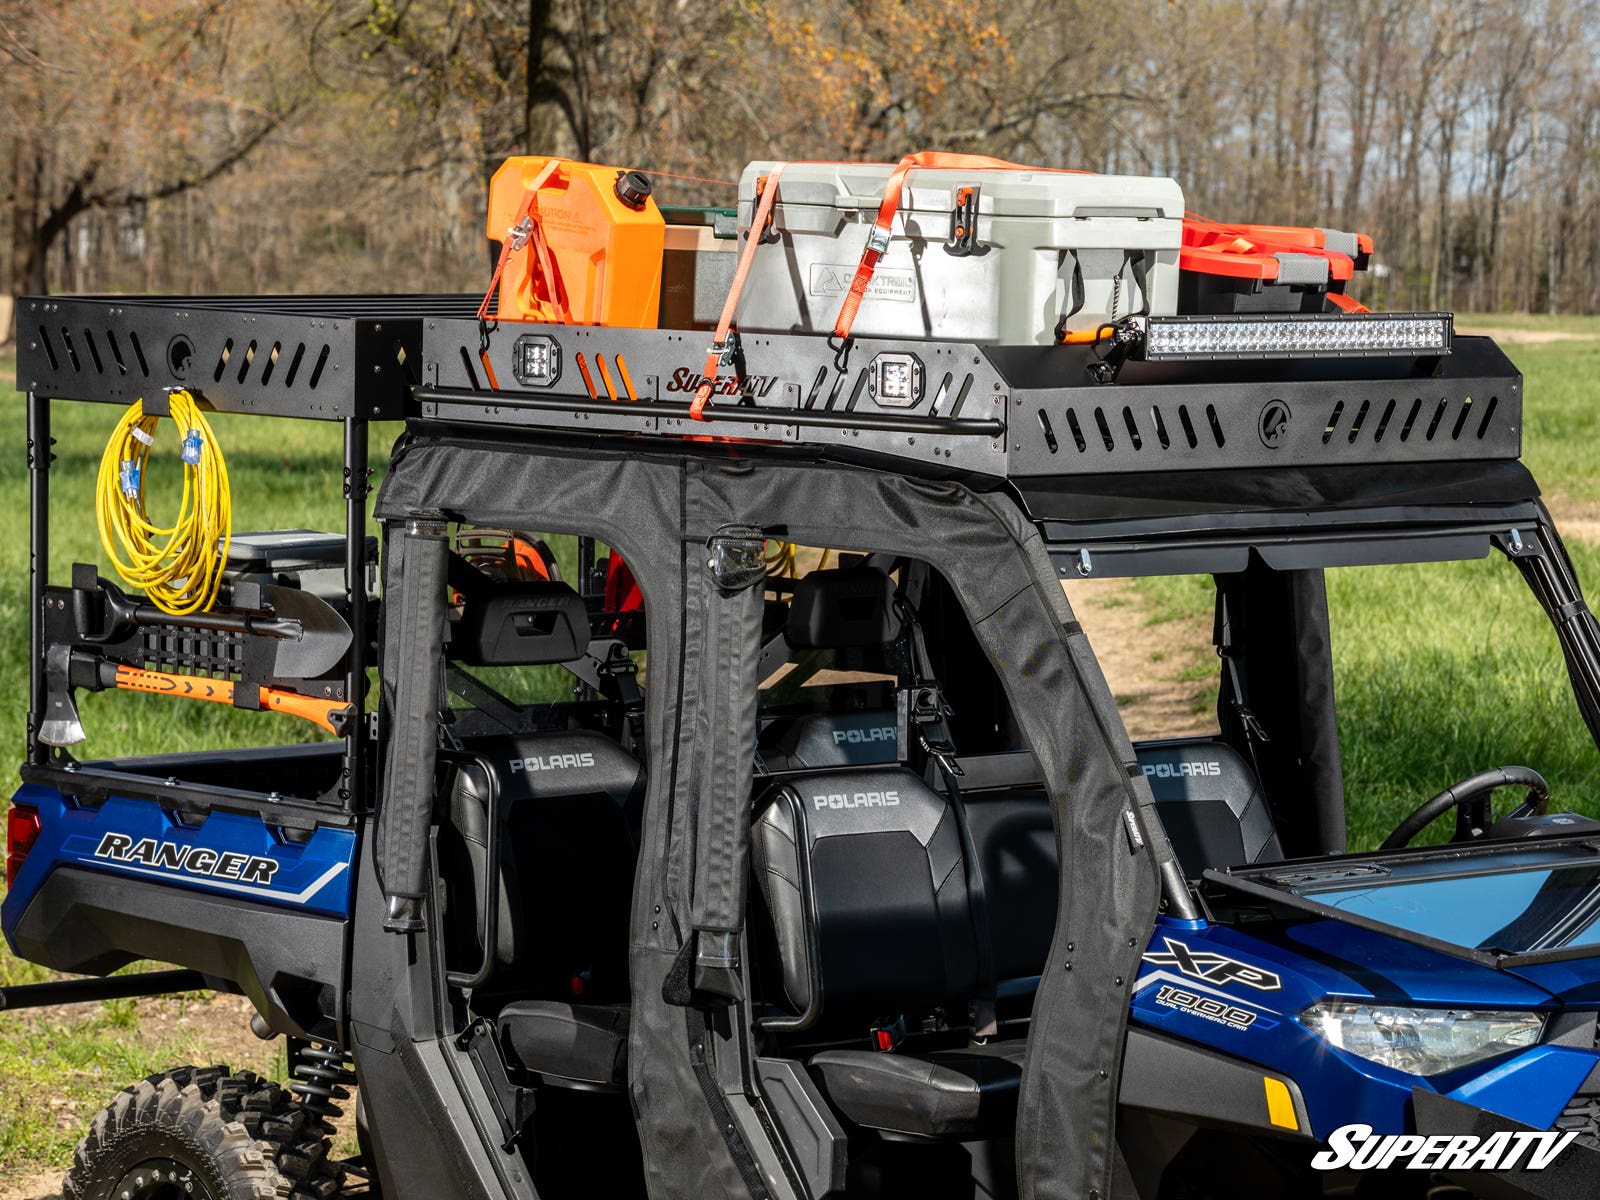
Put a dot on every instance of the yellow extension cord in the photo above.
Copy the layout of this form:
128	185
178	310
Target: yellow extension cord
178	566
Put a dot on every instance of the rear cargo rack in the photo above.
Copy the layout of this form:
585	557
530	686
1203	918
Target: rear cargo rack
325	358
350	359
1015	412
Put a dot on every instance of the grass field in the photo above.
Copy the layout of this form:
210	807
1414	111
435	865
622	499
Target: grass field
1442	670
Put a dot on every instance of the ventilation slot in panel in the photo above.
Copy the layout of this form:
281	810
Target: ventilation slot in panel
1411	419
1361	417
294	365
138	353
222	361
1461	419
116	353
588	379
1488	415
1188	427
249	357
72	353
1332	426
466	364
1077	430
317	368
1161	427
1383	422
1049	433
271	364
1133	428
1105	429
94	351
49	349
1438	416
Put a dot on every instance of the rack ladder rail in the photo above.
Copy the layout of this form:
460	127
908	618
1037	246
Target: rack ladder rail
350	359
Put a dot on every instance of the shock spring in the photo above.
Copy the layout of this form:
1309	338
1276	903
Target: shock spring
322	1074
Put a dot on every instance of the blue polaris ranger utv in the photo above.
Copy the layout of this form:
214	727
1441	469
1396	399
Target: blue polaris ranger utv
728	803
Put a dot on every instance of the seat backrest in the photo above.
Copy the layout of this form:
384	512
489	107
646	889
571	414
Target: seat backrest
839	609
1210	803
571	804
864	869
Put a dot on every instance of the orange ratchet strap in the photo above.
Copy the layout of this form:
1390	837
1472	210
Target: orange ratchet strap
524	229
767	190
878	238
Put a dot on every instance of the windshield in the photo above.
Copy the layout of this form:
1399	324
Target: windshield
1543	899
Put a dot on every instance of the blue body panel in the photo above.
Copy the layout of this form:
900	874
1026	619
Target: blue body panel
1238	990
230	854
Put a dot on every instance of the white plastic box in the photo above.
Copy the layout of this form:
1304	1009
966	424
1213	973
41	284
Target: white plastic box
1045	243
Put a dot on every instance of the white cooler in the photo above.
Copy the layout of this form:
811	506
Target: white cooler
1045	242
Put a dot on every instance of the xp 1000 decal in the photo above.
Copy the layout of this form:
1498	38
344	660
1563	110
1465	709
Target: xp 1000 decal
226	854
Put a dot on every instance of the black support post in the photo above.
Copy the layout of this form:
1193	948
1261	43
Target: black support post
355	581
39	457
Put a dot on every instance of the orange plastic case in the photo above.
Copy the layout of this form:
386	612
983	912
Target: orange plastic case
592	259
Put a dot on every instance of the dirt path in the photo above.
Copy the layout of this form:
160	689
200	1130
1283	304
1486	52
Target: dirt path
1150	669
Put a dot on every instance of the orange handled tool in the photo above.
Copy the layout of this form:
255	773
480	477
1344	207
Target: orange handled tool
330	714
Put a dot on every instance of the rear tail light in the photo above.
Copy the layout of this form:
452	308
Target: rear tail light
22	831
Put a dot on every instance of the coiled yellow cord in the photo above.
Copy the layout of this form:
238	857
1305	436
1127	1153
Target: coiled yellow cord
178	566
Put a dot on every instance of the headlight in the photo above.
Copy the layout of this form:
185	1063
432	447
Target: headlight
1421	1041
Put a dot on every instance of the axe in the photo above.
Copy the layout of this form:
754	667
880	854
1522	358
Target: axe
67	668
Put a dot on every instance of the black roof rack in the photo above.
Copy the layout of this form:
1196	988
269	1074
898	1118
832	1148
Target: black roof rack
1017	412
1024	413
322	357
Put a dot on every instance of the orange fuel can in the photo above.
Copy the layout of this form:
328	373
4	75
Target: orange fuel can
590	244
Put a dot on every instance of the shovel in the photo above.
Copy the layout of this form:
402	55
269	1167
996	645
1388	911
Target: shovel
308	638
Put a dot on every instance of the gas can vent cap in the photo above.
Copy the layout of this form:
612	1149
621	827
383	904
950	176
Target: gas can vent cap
633	188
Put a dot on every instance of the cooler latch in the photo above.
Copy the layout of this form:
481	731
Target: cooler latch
964	223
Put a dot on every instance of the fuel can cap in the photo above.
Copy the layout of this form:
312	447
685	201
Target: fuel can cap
633	188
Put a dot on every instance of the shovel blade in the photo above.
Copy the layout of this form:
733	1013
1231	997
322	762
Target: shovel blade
324	637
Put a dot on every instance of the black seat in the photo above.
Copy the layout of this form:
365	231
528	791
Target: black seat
570	806
863	878
568	1043
966	1092
1210	803
847	609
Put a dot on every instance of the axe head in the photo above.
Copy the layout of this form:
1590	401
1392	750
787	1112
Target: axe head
59	724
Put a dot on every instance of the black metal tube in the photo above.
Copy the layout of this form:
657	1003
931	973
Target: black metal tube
39	456
729	414
355	582
112	987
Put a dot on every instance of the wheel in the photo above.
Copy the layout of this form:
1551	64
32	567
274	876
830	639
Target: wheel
201	1133
1470	800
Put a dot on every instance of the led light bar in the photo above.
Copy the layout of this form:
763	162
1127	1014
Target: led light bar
1313	335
